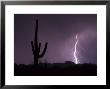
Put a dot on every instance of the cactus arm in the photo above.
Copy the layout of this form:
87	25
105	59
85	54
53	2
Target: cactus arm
39	47
45	48
32	47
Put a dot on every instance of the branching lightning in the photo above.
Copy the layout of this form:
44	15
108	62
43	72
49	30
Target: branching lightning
75	51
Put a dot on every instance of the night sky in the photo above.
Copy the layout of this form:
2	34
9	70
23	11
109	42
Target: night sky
59	30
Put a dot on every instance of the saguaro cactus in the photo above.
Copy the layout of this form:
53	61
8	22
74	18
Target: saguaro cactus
36	46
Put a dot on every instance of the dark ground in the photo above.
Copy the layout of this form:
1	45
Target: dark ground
56	69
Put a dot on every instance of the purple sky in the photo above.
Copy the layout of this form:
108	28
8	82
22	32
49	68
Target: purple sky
59	30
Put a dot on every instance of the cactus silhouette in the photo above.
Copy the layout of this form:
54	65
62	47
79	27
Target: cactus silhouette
36	46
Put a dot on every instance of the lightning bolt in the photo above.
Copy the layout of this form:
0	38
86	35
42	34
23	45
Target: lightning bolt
75	51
